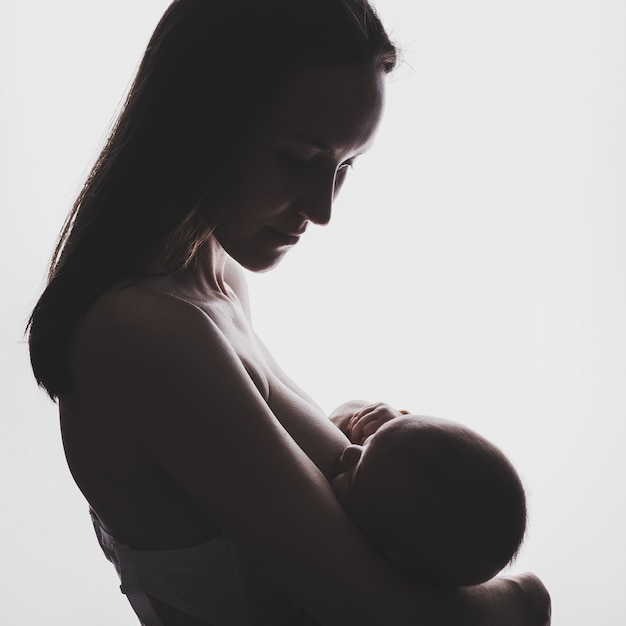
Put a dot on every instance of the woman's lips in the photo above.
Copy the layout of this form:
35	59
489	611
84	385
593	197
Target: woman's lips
286	239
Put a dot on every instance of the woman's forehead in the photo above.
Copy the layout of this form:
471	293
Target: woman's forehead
337	108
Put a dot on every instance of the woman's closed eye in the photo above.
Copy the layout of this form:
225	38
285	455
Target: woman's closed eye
342	171
297	160
346	165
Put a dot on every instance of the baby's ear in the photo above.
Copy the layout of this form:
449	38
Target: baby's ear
400	562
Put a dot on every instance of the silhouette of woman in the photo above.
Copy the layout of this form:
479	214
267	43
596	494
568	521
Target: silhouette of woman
204	465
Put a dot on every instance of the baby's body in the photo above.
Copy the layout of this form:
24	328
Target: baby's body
443	502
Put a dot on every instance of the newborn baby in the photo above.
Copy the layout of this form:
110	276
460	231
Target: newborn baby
440	500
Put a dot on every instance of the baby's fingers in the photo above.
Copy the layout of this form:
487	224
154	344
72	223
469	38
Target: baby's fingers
368	421
366	428
378	409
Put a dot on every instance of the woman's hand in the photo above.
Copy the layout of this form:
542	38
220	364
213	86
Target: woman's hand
537	599
520	600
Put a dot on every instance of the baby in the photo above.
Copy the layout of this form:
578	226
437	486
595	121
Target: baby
437	498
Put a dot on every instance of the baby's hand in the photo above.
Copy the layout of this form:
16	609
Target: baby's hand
345	412
369	419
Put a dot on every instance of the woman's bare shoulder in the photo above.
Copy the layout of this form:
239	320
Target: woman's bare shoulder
131	303
147	355
135	332
135	316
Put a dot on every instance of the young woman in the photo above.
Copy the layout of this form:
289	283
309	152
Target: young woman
205	466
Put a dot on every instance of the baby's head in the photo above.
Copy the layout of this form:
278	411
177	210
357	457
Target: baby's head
436	497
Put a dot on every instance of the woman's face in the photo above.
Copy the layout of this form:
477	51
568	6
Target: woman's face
296	165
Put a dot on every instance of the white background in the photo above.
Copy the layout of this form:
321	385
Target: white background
474	269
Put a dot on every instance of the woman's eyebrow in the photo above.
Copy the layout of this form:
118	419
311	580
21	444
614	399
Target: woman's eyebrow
320	145
314	142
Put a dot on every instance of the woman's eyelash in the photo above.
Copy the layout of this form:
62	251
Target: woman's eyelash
347	164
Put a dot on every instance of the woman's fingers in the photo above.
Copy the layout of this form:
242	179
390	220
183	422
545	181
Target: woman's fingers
538	598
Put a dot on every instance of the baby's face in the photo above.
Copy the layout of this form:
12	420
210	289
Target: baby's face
345	474
368	477
345	482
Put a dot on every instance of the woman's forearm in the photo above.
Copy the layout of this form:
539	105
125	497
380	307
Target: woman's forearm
362	590
508	601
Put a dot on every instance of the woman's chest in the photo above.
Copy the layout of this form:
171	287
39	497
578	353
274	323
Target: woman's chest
299	415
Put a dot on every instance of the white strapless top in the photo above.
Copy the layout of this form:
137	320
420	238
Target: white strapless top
203	581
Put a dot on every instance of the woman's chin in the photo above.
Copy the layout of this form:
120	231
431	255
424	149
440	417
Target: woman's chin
262	262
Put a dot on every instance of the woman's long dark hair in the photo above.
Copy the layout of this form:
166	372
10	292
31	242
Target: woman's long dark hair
210	71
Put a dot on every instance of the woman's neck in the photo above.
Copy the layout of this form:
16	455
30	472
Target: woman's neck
205	273
201	280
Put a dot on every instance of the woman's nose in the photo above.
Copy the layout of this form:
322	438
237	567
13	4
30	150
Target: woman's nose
317	203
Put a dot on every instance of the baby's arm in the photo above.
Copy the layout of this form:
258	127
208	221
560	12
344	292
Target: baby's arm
358	419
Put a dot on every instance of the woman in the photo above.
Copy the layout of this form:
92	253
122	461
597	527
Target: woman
201	460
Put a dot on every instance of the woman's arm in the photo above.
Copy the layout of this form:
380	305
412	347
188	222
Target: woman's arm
166	370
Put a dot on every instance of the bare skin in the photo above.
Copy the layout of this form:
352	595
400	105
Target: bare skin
180	424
